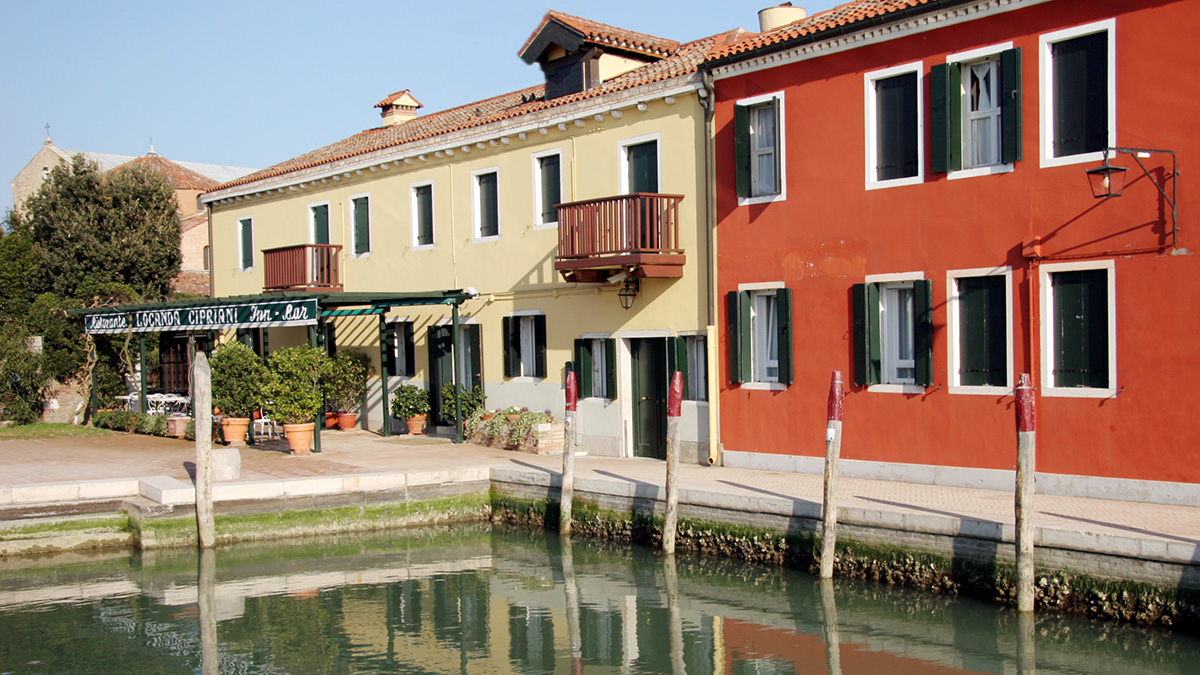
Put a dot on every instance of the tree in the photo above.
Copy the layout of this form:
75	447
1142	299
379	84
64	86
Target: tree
90	230
16	267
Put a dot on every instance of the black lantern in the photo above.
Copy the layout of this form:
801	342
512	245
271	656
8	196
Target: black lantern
1107	180
628	292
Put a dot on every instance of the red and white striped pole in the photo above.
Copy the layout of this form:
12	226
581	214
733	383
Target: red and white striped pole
674	403
1026	461
833	451
567	489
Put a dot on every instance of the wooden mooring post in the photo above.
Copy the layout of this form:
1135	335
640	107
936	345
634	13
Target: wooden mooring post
567	490
202	405
1026	462
833	451
674	404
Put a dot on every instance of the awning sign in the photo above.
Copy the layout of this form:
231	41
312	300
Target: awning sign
207	317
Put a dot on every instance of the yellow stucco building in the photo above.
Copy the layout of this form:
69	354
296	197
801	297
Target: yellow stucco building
573	212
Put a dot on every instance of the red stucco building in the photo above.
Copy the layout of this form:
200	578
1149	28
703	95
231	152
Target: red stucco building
902	194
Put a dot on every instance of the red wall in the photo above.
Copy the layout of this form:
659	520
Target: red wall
830	232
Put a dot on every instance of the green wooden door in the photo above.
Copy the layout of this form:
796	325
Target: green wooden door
441	365
649	369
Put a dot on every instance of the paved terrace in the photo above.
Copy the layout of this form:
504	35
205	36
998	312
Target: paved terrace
71	470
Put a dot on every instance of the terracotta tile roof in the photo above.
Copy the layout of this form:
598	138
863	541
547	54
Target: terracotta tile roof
841	16
396	97
686	60
602	33
196	219
181	178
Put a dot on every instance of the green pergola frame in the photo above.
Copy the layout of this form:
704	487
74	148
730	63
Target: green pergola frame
161	317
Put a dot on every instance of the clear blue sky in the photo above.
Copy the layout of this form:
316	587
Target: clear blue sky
255	82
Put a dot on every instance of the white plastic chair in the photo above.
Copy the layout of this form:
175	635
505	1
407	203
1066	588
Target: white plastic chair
265	426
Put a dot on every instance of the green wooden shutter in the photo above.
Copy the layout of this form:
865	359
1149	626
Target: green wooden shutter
783	308
1080	328
610	368
778	148
1010	105
475	354
945	113
410	365
923	331
247	244
320	216
539	345
512	347
867	357
362	226
677	361
583	367
741	149
740	369
390	345
489	200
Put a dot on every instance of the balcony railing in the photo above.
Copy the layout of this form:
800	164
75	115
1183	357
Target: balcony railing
639	231
302	267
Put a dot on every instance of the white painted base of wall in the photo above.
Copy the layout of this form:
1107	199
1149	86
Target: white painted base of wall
1098	487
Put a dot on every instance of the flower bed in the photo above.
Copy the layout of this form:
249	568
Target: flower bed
516	429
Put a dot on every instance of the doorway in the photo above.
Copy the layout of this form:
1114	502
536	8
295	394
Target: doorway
648	367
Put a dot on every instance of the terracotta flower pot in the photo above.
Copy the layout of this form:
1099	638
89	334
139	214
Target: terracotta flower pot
346	421
416	425
299	437
233	430
331	420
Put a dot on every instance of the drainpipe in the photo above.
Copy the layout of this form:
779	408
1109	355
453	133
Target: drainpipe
708	102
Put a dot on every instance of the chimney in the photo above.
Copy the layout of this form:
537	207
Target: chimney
780	16
398	108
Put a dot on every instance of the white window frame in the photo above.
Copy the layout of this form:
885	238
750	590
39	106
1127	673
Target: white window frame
538	223
1046	88
964	60
524	318
623	159
953	320
412	199
353	232
1047	329
869	80
477	205
754	101
755	288
883	281
245	221
312	222
398	351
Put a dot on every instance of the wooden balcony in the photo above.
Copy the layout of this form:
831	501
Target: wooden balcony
637	234
306	267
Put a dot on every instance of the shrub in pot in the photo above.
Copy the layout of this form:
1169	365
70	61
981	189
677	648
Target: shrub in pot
410	402
239	379
471	400
346	385
294	392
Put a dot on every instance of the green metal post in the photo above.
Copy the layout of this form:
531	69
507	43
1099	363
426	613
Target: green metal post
383	375
458	430
314	339
142	372
92	405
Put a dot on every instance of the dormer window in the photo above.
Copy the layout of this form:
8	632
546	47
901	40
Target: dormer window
577	54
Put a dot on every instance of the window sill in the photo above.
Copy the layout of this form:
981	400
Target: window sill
423	247
764	386
896	389
1048	161
546	226
1079	392
525	379
895	182
356	256
979	171
481	240
982	390
762	199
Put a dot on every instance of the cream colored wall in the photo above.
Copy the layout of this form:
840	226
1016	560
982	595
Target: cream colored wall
612	65
513	272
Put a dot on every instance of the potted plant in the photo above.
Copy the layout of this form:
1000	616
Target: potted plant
294	393
346	385
411	403
238	388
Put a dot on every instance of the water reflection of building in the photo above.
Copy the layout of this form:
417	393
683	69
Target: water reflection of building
489	602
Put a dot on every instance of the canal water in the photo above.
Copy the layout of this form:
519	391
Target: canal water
477	599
